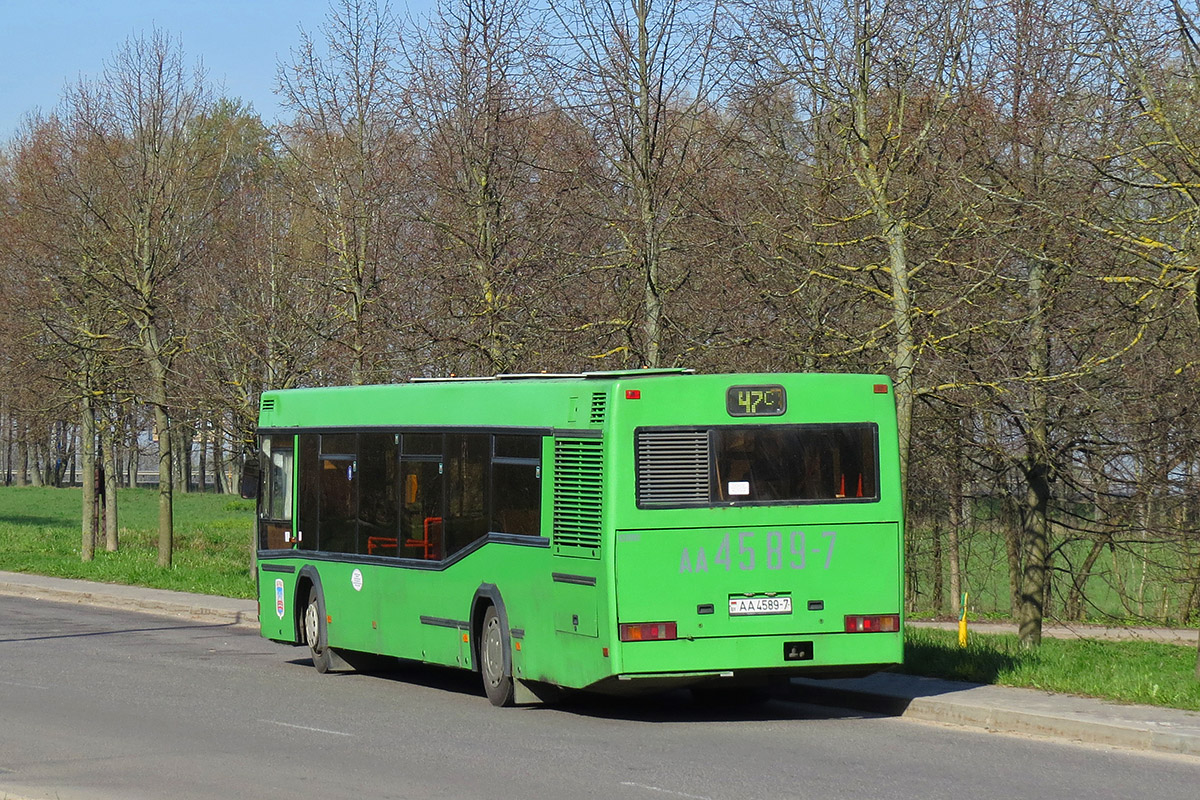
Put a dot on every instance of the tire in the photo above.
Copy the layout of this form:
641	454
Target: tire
497	682
314	632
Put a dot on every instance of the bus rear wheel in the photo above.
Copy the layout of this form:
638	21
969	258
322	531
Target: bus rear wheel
497	683
314	632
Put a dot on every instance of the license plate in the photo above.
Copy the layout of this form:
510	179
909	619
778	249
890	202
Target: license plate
754	606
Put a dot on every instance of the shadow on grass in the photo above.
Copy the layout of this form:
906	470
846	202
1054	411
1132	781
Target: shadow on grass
26	519
975	664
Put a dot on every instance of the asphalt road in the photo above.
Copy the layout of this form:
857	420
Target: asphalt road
98	704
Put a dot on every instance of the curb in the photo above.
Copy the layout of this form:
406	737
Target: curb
160	602
1011	710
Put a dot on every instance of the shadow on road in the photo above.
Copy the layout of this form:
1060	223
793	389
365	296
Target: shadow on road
199	626
678	705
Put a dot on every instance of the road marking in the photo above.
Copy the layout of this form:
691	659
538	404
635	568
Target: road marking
24	685
664	791
305	728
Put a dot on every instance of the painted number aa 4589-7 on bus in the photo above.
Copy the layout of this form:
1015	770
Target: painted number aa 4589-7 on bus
757	550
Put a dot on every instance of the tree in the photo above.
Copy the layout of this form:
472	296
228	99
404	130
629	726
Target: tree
1153	53
638	76
343	146
145	180
484	192
878	84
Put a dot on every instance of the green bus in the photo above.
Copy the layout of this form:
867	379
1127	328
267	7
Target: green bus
607	531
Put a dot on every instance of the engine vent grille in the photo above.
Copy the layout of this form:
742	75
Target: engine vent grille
578	496
267	405
673	468
599	406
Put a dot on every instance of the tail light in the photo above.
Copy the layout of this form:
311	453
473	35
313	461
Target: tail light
646	631
872	623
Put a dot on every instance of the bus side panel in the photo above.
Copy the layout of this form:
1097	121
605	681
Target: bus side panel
276	607
352	604
424	615
578	653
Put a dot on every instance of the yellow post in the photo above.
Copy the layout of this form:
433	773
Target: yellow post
962	622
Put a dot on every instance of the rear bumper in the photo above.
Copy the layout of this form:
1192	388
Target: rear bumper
687	661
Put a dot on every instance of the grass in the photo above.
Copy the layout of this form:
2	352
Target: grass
1128	671
40	534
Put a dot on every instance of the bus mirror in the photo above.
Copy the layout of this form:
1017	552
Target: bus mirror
250	474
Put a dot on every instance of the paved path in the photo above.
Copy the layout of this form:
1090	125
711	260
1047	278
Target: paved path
1077	631
995	708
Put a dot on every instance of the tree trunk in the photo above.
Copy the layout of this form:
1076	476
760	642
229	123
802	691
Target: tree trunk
166	532
22	457
87	452
36	476
112	467
1037	472
939	587
956	525
1075	597
1037	546
202	465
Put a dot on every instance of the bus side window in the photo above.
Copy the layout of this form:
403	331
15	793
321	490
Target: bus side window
467	458
307	529
516	485
275	500
421	512
378	500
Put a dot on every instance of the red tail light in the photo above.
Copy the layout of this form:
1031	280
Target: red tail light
647	631
872	623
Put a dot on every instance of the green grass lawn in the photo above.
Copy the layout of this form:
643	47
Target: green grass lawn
1133	672
40	533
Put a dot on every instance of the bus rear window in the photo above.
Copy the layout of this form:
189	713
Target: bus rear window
757	465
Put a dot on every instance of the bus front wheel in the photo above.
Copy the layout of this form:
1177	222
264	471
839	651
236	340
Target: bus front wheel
497	683
314	632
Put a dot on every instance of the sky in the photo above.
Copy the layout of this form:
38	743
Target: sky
46	45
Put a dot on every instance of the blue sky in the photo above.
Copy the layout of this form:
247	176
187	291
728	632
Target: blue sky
48	44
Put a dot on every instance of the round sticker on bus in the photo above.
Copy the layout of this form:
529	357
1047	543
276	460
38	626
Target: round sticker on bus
356	580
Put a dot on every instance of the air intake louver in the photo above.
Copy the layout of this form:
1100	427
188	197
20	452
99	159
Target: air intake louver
268	405
672	468
599	406
578	500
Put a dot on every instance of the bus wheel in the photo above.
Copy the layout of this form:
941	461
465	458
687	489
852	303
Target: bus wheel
496	682
314	633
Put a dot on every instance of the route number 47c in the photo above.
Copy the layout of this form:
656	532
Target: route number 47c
771	550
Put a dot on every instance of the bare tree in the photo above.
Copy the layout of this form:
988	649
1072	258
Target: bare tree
639	75
342	148
143	177
476	107
1152	52
879	84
